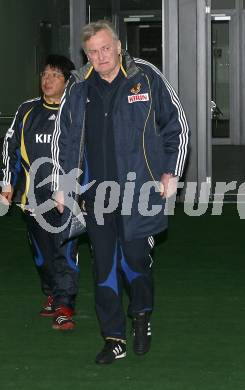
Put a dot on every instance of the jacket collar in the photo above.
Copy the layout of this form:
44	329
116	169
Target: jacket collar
47	104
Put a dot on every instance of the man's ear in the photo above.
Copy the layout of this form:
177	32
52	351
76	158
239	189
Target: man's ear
119	47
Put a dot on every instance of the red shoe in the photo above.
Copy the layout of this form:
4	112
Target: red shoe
63	318
47	309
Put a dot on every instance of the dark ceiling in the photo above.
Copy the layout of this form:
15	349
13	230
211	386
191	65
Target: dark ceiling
128	4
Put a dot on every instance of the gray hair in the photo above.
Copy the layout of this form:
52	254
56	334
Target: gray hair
91	29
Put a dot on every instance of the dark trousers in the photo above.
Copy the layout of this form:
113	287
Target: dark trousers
117	264
56	264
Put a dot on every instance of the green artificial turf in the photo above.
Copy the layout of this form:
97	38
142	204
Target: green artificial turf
198	323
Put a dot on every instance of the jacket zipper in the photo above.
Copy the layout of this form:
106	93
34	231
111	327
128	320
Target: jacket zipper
143	137
80	163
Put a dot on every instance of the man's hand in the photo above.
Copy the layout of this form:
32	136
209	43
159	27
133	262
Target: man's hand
59	201
7	194
169	185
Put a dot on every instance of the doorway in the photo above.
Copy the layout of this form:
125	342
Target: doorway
140	31
228	153
144	40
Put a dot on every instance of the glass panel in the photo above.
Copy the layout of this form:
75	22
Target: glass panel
220	79
146	41
223	4
142	31
97	9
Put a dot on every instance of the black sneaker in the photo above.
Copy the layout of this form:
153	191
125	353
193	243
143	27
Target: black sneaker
141	333
113	349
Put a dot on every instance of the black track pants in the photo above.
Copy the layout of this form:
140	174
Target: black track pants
117	264
56	264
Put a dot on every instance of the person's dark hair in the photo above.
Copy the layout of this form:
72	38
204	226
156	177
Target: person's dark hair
60	62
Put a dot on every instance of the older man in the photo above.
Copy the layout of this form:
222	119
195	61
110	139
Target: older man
135	144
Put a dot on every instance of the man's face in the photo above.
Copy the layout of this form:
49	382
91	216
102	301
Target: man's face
52	83
103	52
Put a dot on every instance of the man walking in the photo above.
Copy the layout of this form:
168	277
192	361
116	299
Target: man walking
28	141
135	144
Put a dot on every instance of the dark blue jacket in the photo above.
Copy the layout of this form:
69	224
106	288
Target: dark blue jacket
28	139
150	132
